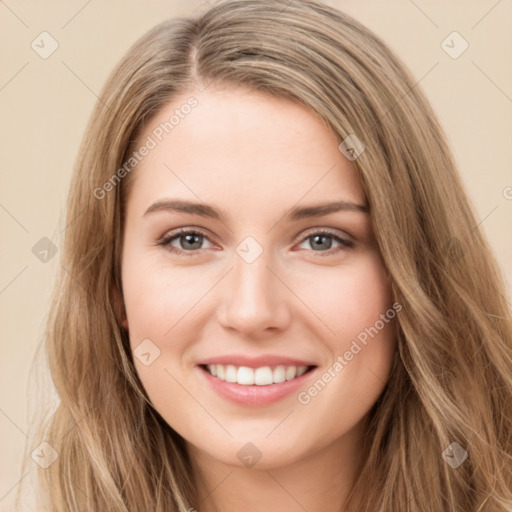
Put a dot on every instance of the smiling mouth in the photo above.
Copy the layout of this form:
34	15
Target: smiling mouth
262	376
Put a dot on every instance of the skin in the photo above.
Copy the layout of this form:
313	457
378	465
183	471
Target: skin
255	157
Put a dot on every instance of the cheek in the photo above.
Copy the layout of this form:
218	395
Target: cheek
160	304
357	306
350	299
158	298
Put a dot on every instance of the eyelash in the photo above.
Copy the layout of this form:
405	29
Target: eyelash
167	239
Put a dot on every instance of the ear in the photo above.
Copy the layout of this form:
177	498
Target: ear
119	308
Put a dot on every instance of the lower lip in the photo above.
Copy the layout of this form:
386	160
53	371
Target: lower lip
254	396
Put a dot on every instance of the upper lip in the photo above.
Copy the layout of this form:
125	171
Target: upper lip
255	362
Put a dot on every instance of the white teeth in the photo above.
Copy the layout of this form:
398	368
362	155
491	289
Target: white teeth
291	372
279	374
245	375
262	376
301	370
230	373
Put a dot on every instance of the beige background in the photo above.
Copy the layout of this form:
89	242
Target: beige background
45	104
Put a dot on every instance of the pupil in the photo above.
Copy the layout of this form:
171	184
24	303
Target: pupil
190	240
322	238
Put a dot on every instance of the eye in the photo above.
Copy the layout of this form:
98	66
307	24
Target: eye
322	241
189	241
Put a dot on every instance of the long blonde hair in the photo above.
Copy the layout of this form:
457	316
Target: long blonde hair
451	381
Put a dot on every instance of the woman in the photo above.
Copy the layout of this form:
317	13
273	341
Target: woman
208	352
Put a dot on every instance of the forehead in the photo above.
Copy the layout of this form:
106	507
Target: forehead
242	145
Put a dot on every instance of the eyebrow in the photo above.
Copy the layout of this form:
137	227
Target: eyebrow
296	213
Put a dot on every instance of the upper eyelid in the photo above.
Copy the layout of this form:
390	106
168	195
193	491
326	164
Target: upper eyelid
301	238
186	231
330	231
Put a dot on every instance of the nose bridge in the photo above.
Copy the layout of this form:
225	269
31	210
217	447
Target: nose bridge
253	298
252	278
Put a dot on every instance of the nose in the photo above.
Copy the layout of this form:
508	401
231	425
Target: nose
254	300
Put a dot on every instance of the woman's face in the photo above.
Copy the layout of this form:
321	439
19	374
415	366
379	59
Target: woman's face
232	258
